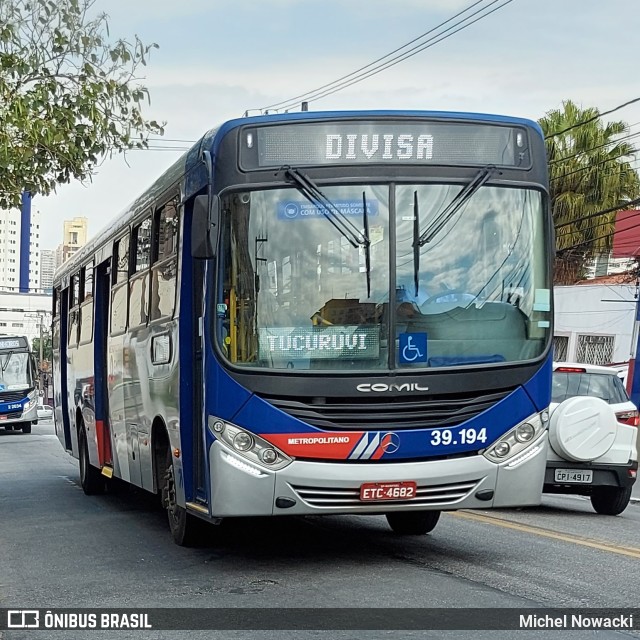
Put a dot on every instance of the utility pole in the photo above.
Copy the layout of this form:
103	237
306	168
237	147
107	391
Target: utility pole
634	369
40	371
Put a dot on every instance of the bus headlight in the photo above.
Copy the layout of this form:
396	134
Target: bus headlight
502	449
242	441
525	432
515	441
248	445
32	402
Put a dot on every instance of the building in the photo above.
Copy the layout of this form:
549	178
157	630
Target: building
20	248
22	314
594	321
47	268
74	236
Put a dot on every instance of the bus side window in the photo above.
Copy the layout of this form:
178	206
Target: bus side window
139	282
119	286
165	261
55	323
74	310
86	310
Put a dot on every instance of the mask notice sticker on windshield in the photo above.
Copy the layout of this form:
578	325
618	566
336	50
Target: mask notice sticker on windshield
303	209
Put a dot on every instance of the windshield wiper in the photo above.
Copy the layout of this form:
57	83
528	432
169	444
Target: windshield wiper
330	211
6	362
450	210
416	242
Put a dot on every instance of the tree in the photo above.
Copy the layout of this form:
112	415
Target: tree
68	95
589	171
46	348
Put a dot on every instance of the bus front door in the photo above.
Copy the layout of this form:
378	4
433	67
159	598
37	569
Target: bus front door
103	428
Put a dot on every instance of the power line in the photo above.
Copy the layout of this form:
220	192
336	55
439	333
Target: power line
406	57
605	235
158	148
356	76
367	66
585	229
588	120
631	203
594	226
412	52
600	146
591	166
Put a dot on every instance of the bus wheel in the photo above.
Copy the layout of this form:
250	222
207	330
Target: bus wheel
91	480
26	427
413	523
185	528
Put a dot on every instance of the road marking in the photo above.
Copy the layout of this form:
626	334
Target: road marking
631	552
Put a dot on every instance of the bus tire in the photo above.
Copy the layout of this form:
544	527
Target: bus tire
413	523
26	427
185	529
91	480
610	501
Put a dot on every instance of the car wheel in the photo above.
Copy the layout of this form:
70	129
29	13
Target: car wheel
610	501
26	427
413	523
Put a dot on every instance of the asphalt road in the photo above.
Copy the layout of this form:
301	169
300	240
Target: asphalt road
60	548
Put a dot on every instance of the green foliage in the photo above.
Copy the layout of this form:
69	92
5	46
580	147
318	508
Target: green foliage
68	96
46	348
589	171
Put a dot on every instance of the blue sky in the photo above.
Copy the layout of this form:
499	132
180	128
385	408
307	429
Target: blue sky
218	58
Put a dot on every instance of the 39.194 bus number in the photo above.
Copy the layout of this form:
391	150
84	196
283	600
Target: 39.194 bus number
444	437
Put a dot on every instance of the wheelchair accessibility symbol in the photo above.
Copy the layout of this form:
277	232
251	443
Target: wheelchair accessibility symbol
413	347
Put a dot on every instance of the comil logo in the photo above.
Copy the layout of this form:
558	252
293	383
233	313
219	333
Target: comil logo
381	387
23	619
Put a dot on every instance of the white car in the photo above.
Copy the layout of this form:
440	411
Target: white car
593	433
45	412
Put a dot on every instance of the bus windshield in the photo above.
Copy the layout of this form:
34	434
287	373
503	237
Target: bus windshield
15	373
295	293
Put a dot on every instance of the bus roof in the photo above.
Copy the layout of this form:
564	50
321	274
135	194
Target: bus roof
191	160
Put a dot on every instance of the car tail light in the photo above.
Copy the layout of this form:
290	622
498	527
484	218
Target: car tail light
628	417
571	369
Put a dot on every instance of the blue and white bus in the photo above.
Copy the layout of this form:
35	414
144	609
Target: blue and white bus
18	384
319	313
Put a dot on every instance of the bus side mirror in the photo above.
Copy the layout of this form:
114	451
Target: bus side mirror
204	227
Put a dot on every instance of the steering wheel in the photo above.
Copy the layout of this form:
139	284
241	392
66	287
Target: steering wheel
451	295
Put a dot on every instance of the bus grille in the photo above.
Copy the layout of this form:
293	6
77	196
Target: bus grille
431	495
12	415
13	396
374	413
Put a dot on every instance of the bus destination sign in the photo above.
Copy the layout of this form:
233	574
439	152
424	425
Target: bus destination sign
384	142
10	344
320	343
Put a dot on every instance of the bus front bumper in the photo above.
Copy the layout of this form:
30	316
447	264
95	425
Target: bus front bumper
31	415
239	488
